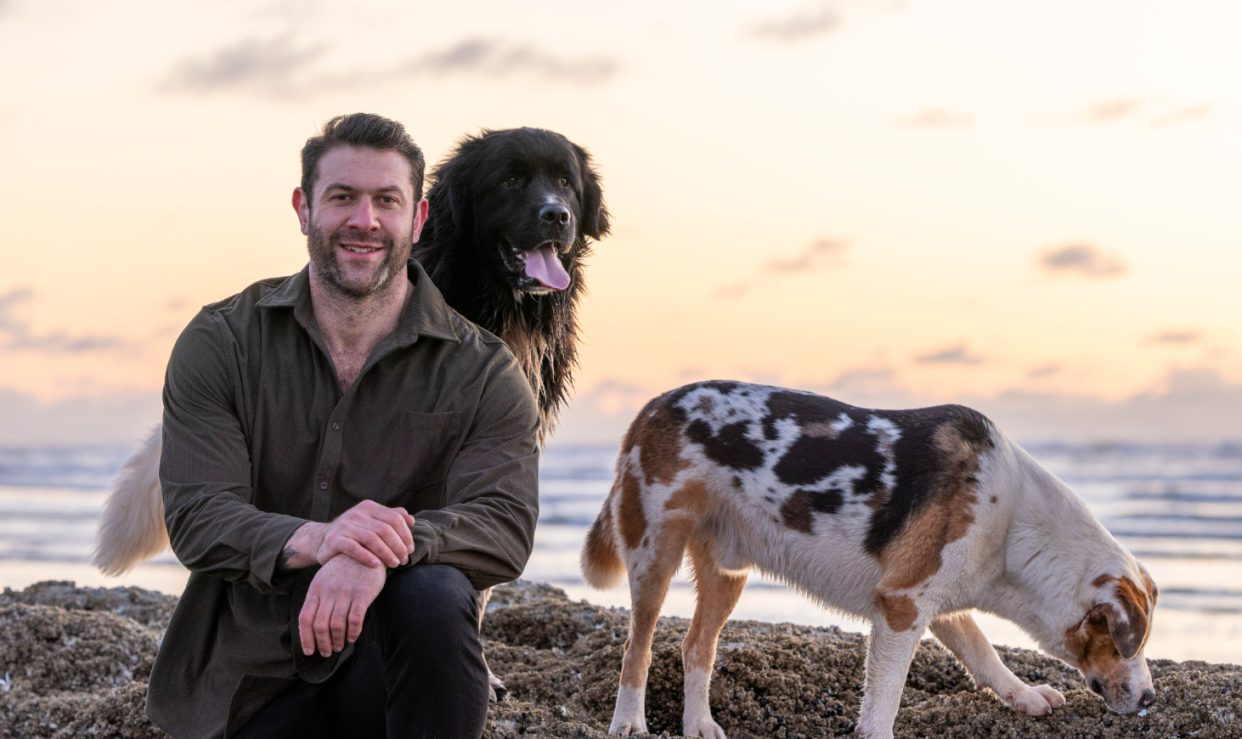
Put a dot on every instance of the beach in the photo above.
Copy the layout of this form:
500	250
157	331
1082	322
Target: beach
76	662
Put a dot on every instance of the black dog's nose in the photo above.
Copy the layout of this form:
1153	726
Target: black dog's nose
554	214
1148	697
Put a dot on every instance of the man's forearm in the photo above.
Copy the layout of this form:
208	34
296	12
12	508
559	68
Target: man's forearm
301	549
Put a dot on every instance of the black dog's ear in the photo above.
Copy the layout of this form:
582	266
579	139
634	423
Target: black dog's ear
594	212
452	198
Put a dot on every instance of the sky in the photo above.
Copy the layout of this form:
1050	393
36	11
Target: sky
1028	207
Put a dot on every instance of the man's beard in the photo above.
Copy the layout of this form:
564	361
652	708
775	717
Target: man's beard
323	254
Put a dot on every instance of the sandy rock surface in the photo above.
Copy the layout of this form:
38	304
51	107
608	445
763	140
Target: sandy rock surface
74	663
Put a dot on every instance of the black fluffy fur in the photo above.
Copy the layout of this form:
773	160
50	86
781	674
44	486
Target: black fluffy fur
489	192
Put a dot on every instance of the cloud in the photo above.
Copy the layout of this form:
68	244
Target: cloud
1085	260
118	418
936	118
1185	115
1108	111
1118	109
1047	370
802	24
282	68
821	253
951	355
1175	337
1195	406
1191	406
15	334
497	58
271	65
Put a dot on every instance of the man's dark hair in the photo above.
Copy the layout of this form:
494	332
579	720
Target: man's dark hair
361	129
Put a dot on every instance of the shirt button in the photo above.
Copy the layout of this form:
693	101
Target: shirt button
336	427
323	486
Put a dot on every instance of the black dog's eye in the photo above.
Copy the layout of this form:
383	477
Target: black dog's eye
564	182
510	182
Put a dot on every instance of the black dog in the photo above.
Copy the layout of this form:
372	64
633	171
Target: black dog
512	215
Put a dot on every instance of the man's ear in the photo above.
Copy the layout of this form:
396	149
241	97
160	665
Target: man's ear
301	206
420	219
594	212
1127	617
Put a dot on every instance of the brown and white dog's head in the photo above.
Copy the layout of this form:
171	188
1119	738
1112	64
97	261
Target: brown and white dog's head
1107	644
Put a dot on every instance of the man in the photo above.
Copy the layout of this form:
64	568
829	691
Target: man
345	460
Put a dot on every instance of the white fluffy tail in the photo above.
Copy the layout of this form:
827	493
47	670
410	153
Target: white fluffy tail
131	526
601	562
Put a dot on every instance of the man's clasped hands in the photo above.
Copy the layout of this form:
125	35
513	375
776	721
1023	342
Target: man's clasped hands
355	552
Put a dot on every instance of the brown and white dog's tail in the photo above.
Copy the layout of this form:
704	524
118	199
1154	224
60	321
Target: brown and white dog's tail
601	562
131	526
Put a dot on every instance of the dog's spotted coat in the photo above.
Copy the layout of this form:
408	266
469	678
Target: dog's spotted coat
898	516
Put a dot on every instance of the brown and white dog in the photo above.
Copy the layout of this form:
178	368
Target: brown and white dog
907	518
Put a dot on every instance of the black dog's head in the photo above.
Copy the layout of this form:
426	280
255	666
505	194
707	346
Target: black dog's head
520	205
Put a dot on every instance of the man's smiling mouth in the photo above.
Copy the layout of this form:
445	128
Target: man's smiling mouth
360	249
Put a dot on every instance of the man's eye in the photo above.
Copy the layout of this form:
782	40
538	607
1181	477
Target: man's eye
510	182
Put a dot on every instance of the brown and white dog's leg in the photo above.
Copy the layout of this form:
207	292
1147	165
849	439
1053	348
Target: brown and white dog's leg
717	594
895	634
651	566
962	636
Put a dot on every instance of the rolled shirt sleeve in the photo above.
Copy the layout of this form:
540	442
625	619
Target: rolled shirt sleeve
205	469
487	528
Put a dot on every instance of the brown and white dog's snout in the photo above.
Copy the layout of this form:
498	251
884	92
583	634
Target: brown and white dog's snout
1126	688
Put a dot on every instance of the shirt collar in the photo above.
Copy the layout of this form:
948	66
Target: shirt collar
426	314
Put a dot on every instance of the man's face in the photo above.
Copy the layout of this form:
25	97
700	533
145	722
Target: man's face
361	220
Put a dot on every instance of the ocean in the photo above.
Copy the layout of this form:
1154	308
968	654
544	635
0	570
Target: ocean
1178	508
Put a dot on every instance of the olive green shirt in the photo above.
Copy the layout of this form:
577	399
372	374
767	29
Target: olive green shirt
259	438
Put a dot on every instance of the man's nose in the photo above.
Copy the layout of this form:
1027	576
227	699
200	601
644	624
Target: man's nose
556	215
1147	698
363	217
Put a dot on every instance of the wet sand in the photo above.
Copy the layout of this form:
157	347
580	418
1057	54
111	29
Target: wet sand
76	661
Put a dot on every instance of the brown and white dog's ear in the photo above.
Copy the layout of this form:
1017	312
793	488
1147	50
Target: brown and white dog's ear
1126	612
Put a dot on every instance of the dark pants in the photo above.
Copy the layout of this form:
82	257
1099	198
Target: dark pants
418	670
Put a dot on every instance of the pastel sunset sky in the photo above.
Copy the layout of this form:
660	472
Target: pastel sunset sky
1031	207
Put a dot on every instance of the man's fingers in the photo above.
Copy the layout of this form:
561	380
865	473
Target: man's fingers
399	520
359	553
337	624
323	636
306	624
390	525
357	612
384	548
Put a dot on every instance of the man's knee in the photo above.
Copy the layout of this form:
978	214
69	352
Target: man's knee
434	599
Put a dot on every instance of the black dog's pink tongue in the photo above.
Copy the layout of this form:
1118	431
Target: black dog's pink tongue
543	265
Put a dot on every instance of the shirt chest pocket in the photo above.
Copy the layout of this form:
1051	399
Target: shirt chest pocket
421	454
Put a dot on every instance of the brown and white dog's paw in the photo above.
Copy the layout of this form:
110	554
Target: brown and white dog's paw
625	728
704	727
1033	701
496	690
